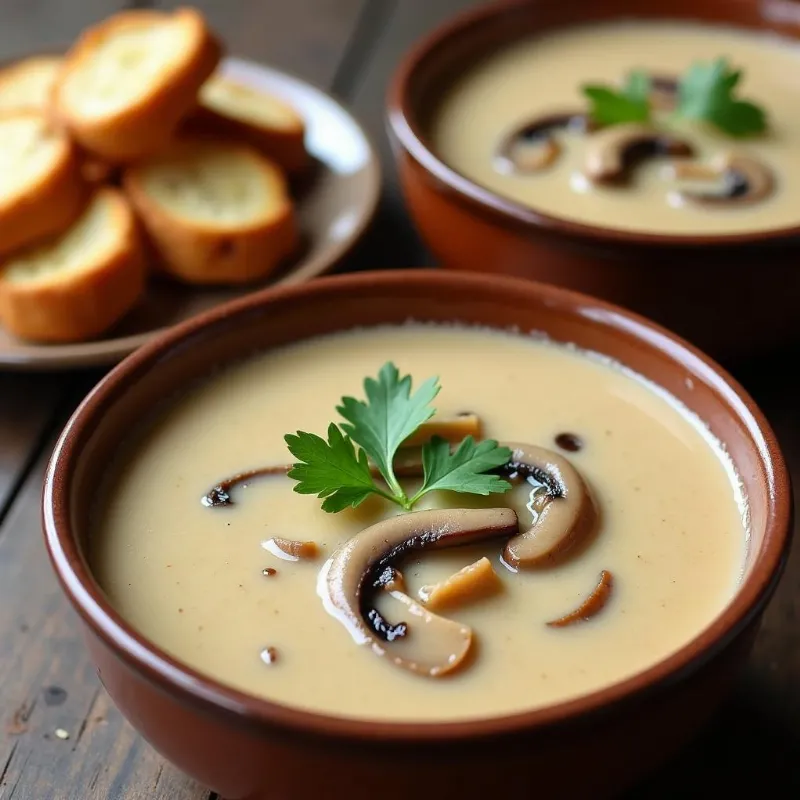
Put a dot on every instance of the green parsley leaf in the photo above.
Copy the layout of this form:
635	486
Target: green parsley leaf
706	92
342	475
387	418
630	104
331	469
463	470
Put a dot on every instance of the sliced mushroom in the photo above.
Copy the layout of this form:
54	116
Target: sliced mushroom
744	181
436	645
474	582
562	507
451	429
612	153
291	549
591	606
220	495
533	147
358	566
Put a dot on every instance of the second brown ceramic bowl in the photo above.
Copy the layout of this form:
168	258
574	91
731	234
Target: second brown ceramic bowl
732	295
244	747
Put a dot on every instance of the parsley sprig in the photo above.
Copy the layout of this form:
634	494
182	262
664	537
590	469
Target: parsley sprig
340	473
630	104
705	93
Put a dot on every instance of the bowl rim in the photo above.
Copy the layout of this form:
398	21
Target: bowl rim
210	696
403	124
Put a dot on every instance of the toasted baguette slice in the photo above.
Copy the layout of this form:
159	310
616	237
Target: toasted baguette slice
77	285
128	81
29	83
216	212
236	110
41	191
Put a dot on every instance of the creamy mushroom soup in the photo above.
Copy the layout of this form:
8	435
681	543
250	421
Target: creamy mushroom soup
671	144
621	536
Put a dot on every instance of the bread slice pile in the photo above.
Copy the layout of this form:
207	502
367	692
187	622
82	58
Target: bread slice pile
131	157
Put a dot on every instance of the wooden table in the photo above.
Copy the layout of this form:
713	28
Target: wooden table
46	681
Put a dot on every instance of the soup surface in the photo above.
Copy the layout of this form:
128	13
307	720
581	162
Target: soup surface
200	583
540	76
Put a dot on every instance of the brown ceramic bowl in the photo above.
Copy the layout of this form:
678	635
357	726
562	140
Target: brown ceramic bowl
730	294
243	747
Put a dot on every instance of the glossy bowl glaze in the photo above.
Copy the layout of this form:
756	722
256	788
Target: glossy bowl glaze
244	747
730	294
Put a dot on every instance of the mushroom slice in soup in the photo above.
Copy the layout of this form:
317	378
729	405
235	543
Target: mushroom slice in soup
591	606
436	645
744	180
563	509
612	153
533	146
220	495
358	566
562	506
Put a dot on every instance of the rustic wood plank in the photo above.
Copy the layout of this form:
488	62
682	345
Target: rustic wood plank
307	37
46	681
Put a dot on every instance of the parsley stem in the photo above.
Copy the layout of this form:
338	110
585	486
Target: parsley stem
400	501
400	497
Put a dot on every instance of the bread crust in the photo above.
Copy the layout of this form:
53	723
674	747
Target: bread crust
80	306
20	71
147	122
284	145
48	204
196	252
